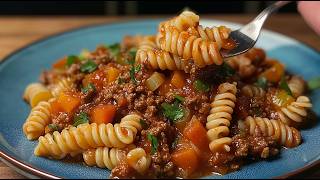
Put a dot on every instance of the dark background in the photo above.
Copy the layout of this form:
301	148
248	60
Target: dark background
132	7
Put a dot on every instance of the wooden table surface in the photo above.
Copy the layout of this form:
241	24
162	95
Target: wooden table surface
18	31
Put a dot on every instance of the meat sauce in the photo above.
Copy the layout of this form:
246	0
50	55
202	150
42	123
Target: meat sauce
184	138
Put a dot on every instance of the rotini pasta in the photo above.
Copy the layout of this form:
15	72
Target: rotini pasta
253	91
37	120
202	52
62	85
158	59
285	135
217	34
139	160
182	22
296	85
246	64
105	157
296	111
87	136
220	116
242	64
35	93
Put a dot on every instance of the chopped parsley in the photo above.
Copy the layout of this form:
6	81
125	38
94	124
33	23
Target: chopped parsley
80	119
172	111
179	98
71	60
144	124
53	127
228	70
132	52
201	86
262	82
314	83
154	142
284	85
121	80
114	49
88	67
133	70
89	87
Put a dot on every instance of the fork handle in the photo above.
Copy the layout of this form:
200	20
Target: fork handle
269	10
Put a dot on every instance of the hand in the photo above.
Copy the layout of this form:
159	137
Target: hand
310	10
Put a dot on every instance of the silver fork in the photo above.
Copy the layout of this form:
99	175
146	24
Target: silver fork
247	36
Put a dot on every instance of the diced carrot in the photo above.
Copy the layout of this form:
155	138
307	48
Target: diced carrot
178	79
97	78
55	107
197	134
186	159
61	63
112	74
103	114
274	73
69	101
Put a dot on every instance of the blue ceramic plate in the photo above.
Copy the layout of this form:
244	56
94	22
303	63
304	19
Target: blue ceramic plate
25	65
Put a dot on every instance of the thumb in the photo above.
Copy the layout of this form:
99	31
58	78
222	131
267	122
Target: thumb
310	10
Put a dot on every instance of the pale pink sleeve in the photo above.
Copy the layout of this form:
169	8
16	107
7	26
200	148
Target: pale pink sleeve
310	10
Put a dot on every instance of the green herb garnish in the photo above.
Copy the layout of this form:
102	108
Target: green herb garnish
172	111
143	124
114	49
53	127
133	70
132	52
262	82
88	67
121	80
154	142
201	86
227	69
71	60
314	83
89	87
284	85
179	98
80	119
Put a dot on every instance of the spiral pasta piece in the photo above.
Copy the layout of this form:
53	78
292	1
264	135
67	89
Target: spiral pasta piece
88	136
158	59
139	160
243	65
296	85
217	34
104	157
62	85
182	22
285	135
253	91
296	111
35	93
38	119
202	52
218	121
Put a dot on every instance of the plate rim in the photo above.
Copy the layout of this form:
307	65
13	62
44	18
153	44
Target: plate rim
29	169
